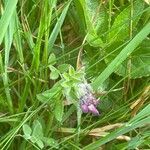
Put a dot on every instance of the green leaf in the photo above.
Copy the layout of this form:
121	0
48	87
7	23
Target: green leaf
33	139
63	68
52	59
71	71
120	28
54	73
50	142
40	143
122	56
139	60
59	108
6	17
36	140
49	95
37	134
37	129
134	143
57	27
96	18
27	131
94	40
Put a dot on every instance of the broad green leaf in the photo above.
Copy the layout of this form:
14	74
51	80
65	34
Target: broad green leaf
63	68
121	27
59	108
36	140
6	17
54	73
96	21
40	143
94	40
139	60
33	139
52	59
49	95
122	56
37	129
27	131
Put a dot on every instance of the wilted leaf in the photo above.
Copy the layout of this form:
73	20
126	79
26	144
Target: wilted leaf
147	1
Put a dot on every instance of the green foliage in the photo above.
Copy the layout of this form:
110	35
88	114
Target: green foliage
35	135
67	87
132	124
6	17
120	30
54	73
96	21
41	44
49	95
122	55
137	65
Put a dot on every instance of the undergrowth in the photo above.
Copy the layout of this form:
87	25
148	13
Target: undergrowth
74	74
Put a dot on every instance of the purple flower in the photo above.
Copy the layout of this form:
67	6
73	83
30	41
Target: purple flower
88	102
93	110
84	108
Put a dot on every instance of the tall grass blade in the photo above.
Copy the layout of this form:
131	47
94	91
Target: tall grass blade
122	56
57	27
5	20
126	128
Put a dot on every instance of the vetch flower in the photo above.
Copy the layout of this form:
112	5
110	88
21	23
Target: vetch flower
84	108
88	103
93	109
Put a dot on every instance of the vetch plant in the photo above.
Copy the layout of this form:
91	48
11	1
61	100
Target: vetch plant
75	90
82	91
36	136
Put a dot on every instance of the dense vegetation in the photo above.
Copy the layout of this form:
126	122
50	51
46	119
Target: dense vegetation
74	74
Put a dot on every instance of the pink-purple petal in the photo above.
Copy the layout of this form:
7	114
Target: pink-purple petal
93	110
84	108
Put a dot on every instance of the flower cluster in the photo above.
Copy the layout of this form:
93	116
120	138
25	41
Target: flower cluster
88	102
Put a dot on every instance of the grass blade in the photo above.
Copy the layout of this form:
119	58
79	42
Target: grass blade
4	22
122	56
128	127
57	27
